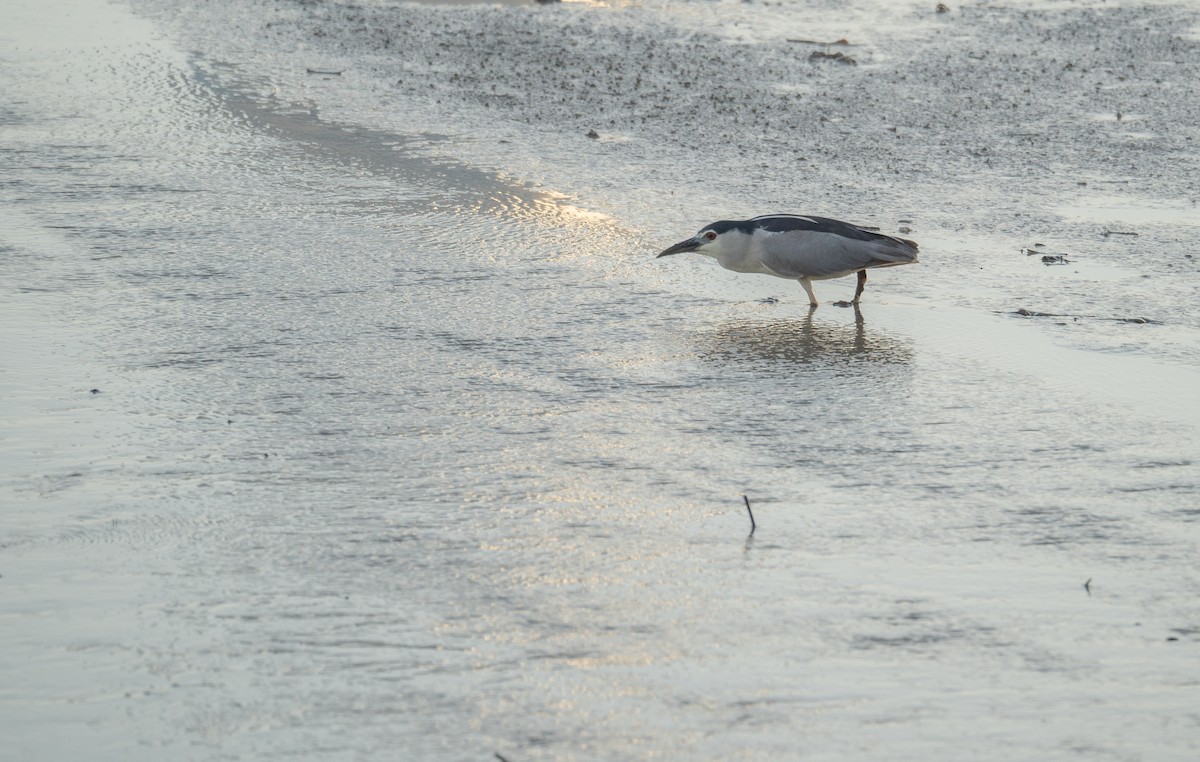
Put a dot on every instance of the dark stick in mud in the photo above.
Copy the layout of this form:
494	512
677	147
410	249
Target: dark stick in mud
753	525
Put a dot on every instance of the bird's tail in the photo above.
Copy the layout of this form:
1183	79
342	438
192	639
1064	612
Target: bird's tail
894	251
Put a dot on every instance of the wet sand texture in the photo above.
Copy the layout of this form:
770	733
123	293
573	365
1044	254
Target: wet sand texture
345	412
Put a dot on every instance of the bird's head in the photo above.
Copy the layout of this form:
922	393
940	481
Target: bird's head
707	241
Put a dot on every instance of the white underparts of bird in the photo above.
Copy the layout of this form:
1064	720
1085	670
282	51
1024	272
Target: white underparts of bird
798	248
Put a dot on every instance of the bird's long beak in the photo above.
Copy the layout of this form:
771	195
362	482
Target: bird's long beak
690	244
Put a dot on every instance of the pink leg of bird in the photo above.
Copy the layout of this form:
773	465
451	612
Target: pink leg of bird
808	289
862	281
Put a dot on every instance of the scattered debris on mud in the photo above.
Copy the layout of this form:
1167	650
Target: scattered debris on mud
820	55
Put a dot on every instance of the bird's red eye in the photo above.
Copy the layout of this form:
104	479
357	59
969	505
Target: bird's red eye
710	236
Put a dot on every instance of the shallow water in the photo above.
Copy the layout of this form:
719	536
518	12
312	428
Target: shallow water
391	453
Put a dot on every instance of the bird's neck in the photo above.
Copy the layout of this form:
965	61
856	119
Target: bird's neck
740	253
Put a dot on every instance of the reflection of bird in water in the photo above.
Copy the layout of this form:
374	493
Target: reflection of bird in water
798	248
790	343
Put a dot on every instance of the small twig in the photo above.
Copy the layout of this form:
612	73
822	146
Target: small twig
324	71
1107	233
753	525
499	756
842	41
1032	313
1088	586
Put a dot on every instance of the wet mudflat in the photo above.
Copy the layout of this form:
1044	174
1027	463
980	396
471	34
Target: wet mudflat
402	442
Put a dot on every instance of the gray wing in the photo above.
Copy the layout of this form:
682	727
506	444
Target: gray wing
817	247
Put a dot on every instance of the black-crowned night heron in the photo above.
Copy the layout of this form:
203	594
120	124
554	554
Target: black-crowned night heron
798	248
